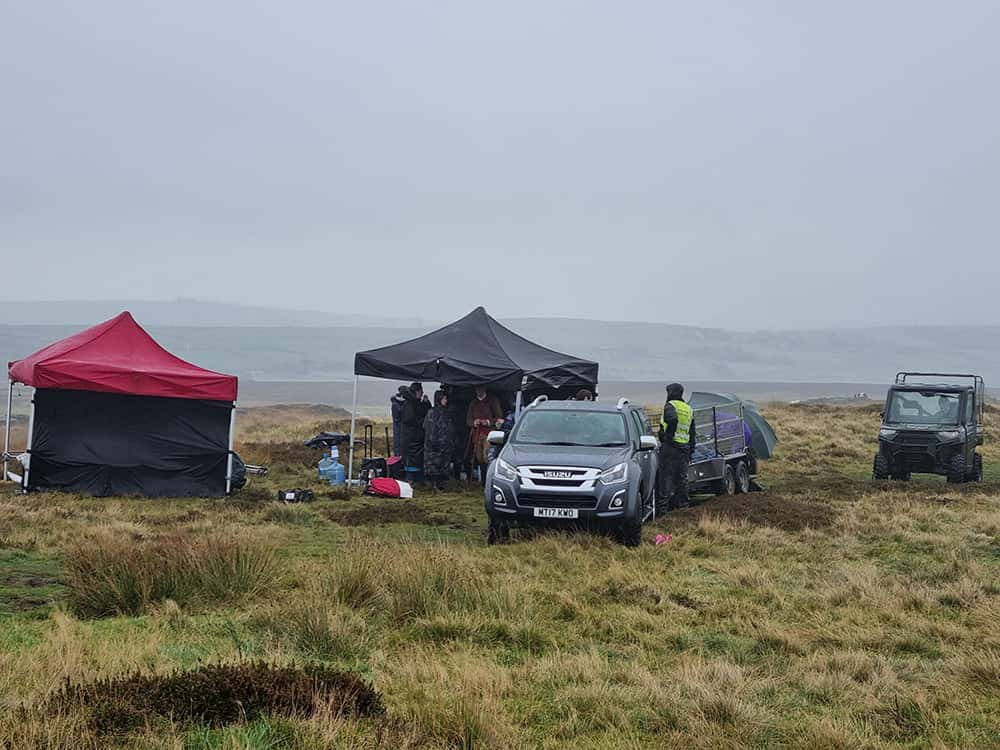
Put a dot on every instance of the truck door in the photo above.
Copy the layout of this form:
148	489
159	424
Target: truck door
647	459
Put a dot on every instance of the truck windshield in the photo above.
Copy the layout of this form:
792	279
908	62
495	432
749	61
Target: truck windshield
587	428
923	407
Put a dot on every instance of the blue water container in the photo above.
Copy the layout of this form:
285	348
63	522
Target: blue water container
331	470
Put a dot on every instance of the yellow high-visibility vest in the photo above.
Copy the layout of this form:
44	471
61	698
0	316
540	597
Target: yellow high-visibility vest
682	436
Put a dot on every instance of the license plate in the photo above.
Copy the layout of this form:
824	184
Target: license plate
556	513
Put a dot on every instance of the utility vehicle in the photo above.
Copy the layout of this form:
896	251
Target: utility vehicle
932	424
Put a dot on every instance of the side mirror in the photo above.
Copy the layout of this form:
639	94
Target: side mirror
647	443
496	437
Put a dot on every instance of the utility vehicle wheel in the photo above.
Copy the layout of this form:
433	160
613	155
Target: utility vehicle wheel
727	485
956	469
880	471
742	478
497	533
977	468
631	532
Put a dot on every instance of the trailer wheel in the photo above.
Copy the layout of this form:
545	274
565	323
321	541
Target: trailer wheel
726	485
956	469
742	478
880	470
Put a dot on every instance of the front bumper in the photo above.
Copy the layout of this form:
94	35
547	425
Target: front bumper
918	452
532	499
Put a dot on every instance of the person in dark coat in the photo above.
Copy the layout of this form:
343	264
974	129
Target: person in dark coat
458	404
396	403
677	443
414	410
438	441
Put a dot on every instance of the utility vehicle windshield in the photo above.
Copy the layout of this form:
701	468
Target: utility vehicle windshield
587	428
923	407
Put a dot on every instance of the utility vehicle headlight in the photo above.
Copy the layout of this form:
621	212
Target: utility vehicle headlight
505	471
948	435
887	433
615	475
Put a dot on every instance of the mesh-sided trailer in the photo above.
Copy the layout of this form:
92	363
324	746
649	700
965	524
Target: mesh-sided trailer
723	461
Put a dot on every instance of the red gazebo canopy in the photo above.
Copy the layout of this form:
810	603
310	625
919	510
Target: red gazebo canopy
118	356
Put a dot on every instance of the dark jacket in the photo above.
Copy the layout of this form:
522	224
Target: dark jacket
438	440
396	403
414	411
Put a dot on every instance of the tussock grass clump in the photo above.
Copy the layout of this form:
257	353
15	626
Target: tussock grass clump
107	575
411	581
215	695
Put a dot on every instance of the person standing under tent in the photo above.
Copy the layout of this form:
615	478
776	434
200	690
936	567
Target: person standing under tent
414	410
484	414
677	442
396	403
458	405
438	440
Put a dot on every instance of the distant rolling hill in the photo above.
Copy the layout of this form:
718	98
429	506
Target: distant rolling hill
185	312
626	351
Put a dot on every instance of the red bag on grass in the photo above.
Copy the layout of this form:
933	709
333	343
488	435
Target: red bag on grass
386	487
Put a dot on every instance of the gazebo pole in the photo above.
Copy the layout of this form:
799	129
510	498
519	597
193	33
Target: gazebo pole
354	417
31	435
229	460
6	434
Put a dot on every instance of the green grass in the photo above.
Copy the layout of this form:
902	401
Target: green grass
829	612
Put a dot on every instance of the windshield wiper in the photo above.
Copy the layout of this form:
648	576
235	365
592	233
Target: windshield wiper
616	444
556	442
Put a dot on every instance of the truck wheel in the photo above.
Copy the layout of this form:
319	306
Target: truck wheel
956	469
880	471
977	468
497	533
726	485
742	478
631	533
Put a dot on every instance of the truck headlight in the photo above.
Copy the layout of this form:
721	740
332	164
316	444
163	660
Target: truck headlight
948	435
615	475
505	471
885	432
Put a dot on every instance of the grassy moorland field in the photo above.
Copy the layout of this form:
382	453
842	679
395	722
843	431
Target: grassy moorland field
829	612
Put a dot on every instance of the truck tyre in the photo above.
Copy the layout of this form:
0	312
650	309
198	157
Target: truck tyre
497	533
631	532
726	485
742	478
977	468
880	471
956	469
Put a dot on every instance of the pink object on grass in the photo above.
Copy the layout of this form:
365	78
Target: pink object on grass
662	539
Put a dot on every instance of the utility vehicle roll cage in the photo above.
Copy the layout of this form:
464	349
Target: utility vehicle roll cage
977	383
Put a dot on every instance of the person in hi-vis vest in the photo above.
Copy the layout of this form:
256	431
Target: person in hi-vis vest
677	440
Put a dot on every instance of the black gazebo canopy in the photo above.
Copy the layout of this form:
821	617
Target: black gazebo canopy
477	350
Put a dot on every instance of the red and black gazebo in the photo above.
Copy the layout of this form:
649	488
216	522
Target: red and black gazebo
114	413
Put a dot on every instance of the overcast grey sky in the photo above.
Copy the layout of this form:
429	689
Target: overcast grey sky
742	164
